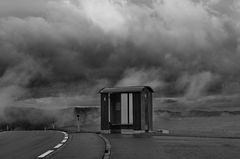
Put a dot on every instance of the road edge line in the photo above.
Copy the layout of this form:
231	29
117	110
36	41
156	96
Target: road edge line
45	154
107	152
54	150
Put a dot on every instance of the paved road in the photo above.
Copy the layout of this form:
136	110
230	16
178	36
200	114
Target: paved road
27	144
82	146
160	147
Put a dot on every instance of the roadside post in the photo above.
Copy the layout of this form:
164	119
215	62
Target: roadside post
78	123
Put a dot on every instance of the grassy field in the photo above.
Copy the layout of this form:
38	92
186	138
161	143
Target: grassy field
211	126
214	116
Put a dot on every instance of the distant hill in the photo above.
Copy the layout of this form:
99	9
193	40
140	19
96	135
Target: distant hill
202	107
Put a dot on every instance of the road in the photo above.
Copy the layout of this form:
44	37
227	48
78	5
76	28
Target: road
82	145
163	147
31	144
27	144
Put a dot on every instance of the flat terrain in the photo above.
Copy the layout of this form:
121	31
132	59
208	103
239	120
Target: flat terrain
27	144
211	126
156	147
82	145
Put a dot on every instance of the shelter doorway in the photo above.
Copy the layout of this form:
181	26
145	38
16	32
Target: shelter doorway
115	109
121	110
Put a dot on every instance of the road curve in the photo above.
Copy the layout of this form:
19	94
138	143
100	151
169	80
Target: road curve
81	145
27	144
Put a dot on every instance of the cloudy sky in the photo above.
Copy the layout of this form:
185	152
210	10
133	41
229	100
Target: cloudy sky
54	47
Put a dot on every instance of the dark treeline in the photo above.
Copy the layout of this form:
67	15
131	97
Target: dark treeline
26	119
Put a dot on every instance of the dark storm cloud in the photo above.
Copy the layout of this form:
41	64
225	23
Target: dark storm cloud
174	46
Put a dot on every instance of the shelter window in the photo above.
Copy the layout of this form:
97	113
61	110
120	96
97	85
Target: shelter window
126	108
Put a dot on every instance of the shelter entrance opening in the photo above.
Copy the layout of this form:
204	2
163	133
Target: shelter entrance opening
121	109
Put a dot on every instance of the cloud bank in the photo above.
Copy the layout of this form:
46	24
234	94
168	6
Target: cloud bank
54	47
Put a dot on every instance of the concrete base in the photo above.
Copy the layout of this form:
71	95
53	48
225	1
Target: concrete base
127	131
123	131
105	131
139	131
131	131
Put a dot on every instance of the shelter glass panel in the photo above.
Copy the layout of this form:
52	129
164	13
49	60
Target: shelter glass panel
130	108
124	108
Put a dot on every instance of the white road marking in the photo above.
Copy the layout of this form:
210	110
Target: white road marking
65	137
64	140
58	145
45	154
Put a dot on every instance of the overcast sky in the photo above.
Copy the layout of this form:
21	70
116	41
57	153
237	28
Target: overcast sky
179	47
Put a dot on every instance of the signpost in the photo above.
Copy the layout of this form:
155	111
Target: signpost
78	123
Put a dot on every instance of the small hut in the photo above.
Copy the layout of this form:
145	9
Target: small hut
126	108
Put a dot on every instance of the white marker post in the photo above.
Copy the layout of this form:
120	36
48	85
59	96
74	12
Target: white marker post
78	123
53	126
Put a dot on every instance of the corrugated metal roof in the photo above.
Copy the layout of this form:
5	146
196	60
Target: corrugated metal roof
125	89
